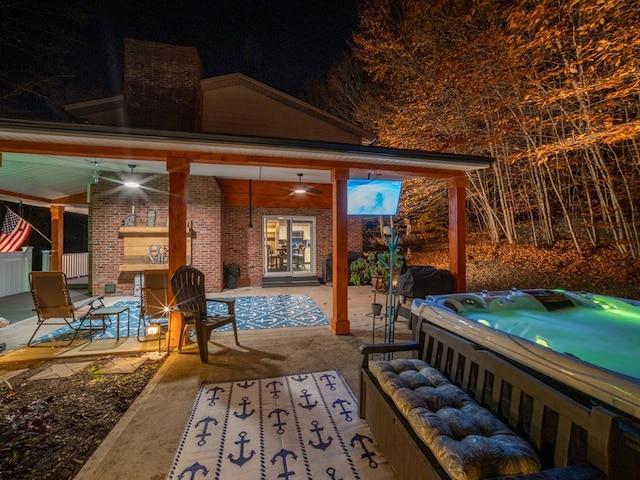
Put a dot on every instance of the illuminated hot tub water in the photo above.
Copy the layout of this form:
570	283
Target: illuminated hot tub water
596	337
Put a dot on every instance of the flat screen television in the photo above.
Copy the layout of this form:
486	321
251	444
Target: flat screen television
373	197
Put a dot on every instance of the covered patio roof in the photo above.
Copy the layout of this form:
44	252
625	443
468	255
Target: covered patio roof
51	164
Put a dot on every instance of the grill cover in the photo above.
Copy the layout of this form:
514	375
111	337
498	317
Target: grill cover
421	281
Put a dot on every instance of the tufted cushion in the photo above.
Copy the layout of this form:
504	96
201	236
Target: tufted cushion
468	441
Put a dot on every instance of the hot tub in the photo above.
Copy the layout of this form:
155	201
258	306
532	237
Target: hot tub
586	341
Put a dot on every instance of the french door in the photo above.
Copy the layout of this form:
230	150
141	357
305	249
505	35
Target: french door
289	245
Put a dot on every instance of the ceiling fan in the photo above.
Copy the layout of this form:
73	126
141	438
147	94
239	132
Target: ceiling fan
300	188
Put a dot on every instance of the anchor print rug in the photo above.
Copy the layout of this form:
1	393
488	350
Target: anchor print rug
303	426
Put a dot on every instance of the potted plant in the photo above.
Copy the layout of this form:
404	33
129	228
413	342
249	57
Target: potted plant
372	268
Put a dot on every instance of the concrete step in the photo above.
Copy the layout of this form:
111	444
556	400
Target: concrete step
308	281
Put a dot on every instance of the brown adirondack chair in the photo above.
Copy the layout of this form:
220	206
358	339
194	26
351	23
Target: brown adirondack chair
188	288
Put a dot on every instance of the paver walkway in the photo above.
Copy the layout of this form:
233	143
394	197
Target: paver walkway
128	364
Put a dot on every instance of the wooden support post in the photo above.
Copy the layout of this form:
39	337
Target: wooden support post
457	231
340	263
57	236
178	169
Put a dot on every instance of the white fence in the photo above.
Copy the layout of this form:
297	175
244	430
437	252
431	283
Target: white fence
15	268
14	271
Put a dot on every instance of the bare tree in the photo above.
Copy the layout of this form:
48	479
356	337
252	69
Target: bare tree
548	88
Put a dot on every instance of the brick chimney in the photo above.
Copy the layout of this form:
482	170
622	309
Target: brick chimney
162	86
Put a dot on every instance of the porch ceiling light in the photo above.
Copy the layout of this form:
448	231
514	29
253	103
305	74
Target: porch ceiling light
131	181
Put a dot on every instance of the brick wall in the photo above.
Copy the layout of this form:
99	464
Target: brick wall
111	203
242	243
162	86
219	235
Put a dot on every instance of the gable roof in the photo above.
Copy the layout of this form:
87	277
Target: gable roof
238	105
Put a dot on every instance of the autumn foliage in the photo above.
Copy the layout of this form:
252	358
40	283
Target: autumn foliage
549	88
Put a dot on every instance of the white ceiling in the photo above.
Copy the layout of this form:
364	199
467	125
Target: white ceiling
54	176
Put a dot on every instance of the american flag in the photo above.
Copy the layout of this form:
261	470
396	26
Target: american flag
15	231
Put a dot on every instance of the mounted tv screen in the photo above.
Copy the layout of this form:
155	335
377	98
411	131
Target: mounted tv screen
373	197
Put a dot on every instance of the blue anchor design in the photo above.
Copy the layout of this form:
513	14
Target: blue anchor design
328	377
320	445
306	396
279	423
275	391
244	413
246	384
367	454
241	459
203	436
193	469
332	474
214	397
300	378
284	454
344	411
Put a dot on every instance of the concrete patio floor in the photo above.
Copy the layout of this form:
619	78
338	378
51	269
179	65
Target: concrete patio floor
144	442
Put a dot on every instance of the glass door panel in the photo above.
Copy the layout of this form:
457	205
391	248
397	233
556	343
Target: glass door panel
276	243
289	246
302	235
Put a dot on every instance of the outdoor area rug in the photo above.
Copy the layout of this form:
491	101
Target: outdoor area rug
303	426
252	312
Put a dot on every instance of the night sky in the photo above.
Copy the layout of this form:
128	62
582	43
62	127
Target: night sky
278	42
80	44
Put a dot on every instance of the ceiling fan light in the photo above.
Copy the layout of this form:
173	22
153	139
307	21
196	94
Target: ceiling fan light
299	189
131	181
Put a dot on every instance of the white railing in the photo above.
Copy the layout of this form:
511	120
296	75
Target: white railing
74	265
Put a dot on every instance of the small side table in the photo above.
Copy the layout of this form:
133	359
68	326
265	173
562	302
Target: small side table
106	312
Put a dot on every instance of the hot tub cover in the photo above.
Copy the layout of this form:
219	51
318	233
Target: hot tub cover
419	281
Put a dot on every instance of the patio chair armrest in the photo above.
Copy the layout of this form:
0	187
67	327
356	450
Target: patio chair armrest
186	311
91	301
230	302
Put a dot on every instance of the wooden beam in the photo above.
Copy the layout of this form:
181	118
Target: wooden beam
77	199
457	231
271	194
161	154
25	197
178	169
340	275
57	237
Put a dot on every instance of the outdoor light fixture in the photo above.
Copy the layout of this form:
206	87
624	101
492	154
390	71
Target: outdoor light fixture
153	330
96	173
299	188
131	181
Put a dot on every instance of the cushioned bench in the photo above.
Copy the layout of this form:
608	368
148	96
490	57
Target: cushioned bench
466	439
458	412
